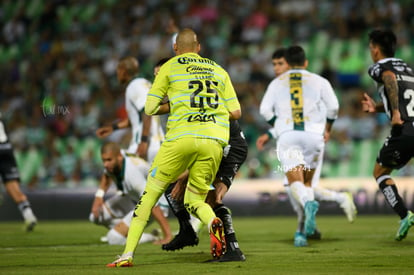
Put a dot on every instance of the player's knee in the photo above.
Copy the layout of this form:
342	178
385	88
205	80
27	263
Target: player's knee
380	171
375	173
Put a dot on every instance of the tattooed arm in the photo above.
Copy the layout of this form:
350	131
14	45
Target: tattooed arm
391	88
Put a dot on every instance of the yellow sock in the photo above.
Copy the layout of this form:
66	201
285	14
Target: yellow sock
194	201
141	215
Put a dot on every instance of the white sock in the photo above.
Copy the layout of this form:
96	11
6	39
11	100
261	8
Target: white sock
26	211
299	192
322	194
28	215
311	194
296	207
196	224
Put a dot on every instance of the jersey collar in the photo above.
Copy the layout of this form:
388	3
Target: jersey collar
119	178
388	59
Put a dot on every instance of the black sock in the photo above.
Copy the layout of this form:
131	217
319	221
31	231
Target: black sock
178	209
224	214
23	205
393	198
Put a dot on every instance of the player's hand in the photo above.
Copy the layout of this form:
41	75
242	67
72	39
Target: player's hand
142	150
326	136
368	104
396	118
261	141
97	206
104	131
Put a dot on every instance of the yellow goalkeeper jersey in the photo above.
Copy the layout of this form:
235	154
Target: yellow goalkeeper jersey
201	96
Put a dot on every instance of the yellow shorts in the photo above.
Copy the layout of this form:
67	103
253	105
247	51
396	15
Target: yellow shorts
201	156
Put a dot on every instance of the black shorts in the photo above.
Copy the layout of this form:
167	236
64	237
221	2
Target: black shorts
231	164
8	166
396	151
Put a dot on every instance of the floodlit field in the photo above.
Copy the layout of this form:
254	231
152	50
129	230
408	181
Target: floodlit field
72	247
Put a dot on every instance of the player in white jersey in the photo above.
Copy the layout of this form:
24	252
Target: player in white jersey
147	132
129	173
293	101
344	199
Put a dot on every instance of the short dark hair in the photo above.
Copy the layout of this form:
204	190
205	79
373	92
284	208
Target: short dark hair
130	64
295	56
279	53
385	40
110	147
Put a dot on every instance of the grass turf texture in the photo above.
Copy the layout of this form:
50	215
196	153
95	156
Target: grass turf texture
72	247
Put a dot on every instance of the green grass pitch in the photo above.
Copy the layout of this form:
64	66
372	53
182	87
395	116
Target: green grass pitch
72	247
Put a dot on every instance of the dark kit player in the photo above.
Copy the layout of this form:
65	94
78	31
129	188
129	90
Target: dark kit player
9	174
395	83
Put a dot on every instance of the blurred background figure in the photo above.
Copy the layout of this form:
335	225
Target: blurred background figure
9	174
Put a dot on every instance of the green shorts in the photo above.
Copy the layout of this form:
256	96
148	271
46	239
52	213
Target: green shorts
201	156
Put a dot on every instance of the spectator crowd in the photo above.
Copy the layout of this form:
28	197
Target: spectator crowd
58	69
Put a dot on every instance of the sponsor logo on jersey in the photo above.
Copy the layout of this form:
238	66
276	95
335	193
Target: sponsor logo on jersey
187	60
194	69
164	173
202	118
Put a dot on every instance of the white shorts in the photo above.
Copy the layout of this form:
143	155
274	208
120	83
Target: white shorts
119	205
122	207
316	176
296	148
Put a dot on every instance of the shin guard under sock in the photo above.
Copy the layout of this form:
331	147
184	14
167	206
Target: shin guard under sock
392	197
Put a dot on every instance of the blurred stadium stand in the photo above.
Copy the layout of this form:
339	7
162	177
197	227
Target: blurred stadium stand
58	83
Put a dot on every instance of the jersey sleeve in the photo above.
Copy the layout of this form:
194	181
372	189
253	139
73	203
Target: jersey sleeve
375	71
231	99
330	100
266	105
3	133
157	91
137	93
272	132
